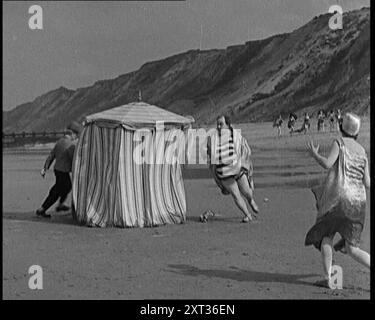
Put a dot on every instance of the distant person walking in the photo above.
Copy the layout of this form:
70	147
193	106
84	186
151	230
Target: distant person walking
292	122
62	154
341	200
278	123
339	119
231	166
332	117
321	118
305	125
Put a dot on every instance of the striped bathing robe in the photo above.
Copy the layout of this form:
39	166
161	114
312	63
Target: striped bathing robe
229	157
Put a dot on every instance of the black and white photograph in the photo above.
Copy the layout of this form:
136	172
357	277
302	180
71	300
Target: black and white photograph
197	150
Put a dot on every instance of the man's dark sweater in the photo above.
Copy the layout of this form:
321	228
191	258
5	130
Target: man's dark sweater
62	153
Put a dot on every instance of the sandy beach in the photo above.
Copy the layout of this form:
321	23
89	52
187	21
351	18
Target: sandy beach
221	259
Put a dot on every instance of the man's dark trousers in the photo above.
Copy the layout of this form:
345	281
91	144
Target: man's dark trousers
61	189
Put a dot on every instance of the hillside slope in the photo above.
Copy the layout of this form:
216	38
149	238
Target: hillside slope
310	68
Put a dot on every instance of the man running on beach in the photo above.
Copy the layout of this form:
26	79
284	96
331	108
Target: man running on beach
62	154
231	166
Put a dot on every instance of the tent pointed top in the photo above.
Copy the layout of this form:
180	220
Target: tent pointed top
138	114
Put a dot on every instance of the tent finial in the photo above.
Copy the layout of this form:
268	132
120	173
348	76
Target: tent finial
139	95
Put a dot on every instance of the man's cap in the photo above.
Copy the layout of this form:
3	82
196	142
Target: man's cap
75	127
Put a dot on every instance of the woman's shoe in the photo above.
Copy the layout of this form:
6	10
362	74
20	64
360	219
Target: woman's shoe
247	219
325	283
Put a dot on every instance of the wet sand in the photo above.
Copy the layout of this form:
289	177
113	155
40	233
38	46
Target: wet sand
221	259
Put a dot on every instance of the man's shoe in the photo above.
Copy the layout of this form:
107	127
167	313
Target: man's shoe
42	213
46	215
62	207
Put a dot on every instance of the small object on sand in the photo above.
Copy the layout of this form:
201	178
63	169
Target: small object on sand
265	199
158	235
204	217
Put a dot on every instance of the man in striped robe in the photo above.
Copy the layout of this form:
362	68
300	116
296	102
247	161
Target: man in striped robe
231	166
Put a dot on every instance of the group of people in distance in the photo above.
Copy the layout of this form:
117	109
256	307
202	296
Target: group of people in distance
340	199
334	122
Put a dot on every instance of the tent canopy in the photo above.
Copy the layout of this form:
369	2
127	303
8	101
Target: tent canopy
109	187
138	114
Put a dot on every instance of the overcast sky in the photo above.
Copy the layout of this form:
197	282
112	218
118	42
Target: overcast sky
82	42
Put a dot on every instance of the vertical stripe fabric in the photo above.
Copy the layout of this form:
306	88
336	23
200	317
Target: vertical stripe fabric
111	190
229	163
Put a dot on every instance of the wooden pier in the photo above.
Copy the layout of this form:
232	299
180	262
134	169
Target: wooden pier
15	139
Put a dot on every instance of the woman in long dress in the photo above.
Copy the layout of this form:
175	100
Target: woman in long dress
321	118
332	117
292	123
305	125
230	164
339	119
341	201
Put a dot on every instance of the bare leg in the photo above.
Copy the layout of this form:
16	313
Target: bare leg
251	183
247	192
231	185
326	251
358	255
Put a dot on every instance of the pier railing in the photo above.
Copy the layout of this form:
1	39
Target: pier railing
11	139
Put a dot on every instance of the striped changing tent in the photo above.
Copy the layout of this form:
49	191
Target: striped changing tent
111	189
